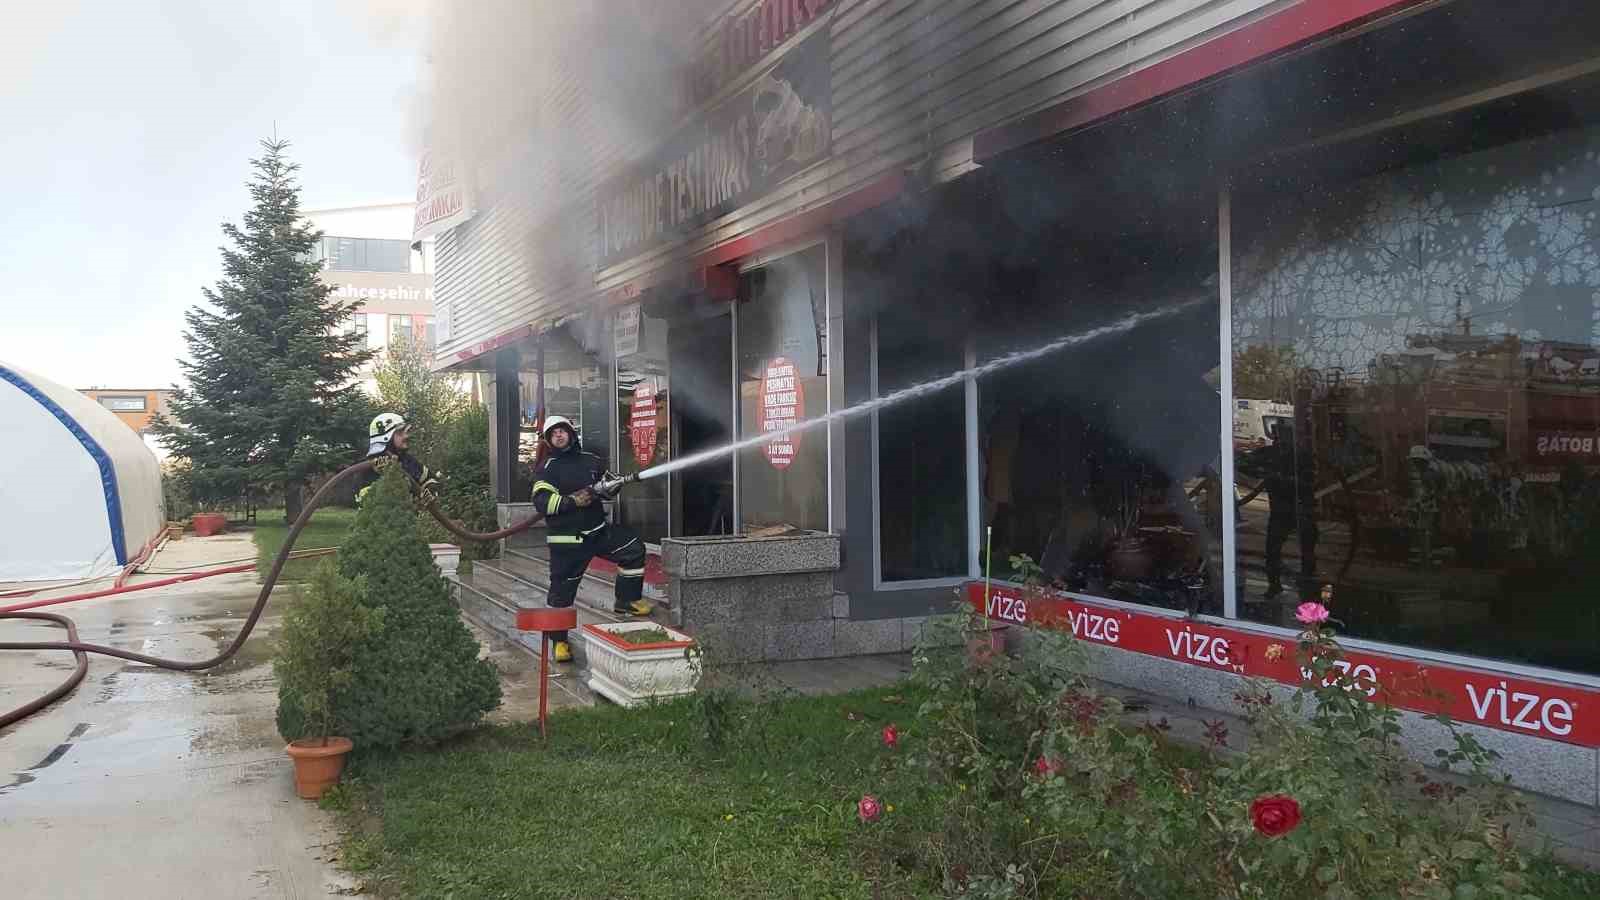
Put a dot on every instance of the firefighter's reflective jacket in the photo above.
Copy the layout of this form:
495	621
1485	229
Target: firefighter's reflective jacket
564	474
415	471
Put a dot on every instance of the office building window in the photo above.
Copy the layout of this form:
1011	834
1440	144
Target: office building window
124	404
399	329
358	324
344	254
430	335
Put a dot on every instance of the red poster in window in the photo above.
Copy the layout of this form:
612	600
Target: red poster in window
783	403
642	425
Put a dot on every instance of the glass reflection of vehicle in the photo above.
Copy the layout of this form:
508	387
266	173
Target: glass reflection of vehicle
1253	421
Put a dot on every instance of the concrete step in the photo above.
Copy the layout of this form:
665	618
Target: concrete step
521	576
490	607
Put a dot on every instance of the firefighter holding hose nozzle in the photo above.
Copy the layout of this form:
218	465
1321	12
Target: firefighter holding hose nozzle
570	487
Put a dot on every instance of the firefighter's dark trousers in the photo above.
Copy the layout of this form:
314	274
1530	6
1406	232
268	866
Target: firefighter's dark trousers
569	559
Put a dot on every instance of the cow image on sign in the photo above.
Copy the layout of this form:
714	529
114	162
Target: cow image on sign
782	405
642	425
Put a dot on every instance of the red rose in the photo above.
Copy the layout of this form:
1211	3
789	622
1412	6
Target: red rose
1046	766
891	736
869	809
1275	815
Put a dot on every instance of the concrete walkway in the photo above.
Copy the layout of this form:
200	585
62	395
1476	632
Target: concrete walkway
148	783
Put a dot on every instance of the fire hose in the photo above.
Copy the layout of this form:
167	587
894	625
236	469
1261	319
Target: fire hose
81	650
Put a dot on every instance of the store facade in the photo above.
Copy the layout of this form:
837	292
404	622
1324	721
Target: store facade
1370	357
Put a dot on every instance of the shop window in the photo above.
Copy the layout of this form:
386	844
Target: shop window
643	427
783	379
1100	463
1429	340
922	469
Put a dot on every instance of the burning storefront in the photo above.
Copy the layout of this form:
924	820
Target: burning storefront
1365	352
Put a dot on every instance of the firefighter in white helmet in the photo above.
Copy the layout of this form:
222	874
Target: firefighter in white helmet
577	529
388	435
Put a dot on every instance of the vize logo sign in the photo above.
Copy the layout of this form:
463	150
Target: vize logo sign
1363	675
1521	709
1092	626
1007	609
1201	648
1545	709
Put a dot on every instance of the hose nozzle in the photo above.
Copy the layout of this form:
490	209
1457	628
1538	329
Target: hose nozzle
609	486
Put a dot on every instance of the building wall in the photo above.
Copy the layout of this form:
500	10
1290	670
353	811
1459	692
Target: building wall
151	402
386	299
912	81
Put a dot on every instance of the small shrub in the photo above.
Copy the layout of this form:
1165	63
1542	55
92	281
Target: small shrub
316	651
419	680
644	636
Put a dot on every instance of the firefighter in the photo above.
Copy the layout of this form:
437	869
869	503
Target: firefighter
577	529
1287	479
388	436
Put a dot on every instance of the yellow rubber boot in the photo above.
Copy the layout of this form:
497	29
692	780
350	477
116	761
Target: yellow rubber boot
563	652
637	608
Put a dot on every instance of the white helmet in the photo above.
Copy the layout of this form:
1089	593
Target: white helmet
552	422
383	427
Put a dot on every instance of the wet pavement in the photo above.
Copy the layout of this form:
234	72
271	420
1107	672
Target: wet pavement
149	783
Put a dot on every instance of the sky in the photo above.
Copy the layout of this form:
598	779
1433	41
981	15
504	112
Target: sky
126	130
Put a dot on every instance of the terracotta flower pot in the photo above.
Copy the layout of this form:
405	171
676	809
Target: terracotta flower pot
317	765
1131	559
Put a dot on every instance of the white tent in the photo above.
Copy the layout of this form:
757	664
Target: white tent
80	494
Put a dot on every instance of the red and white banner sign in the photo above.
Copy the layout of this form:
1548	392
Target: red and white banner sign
783	403
444	198
1559	712
642	425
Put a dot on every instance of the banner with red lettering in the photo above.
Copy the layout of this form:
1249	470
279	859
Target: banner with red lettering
783	403
642	425
1520	705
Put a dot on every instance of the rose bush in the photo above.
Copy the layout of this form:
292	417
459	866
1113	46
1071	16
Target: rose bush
1036	783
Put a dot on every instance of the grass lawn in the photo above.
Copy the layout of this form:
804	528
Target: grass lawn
632	803
327	528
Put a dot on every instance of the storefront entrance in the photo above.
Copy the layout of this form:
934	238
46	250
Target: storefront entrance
701	404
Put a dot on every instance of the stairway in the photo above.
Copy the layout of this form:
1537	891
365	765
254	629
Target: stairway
497	587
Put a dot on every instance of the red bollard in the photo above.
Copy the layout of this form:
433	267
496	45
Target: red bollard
545	619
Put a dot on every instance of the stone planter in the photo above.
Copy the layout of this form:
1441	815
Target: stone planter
632	674
447	557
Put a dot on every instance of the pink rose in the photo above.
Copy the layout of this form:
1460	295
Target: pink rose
1311	613
869	809
1046	766
891	736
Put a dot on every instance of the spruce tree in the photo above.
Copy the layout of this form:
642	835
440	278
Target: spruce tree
271	399
419	679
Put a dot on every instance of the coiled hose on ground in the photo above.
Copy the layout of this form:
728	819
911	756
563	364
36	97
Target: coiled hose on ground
81	650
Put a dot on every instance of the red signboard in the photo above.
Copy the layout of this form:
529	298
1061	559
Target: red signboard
1553	443
1560	712
642	425
783	404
